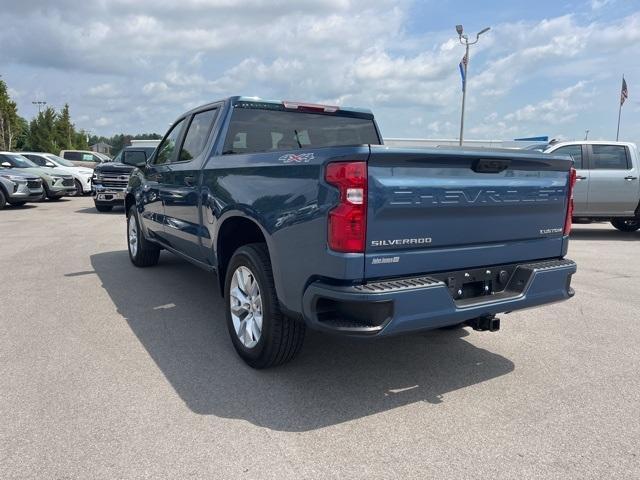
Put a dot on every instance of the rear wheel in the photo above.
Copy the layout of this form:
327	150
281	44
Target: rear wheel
626	224
104	208
261	334
3	199
141	252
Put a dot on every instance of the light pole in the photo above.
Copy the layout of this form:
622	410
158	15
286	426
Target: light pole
464	40
40	104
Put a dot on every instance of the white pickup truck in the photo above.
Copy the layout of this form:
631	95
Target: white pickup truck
608	182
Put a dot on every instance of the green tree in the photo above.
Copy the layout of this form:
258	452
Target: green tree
80	140
42	132
9	119
65	130
22	140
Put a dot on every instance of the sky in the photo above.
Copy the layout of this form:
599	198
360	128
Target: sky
545	67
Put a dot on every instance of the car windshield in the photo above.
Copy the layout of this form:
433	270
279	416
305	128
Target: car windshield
60	161
18	161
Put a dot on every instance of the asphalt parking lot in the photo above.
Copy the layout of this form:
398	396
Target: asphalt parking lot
108	371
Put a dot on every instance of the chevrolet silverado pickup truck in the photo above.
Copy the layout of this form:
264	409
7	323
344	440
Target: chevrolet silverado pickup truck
608	182
110	179
308	221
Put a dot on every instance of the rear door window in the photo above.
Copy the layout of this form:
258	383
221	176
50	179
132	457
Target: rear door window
256	130
574	151
609	157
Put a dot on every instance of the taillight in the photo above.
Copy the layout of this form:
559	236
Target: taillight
572	184
348	220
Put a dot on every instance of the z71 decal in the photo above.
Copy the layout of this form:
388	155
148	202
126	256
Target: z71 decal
297	158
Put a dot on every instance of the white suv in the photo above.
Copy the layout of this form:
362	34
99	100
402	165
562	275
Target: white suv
81	175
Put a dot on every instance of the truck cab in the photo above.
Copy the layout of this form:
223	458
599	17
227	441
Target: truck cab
608	181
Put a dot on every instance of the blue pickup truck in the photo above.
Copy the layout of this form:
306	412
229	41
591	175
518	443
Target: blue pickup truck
309	221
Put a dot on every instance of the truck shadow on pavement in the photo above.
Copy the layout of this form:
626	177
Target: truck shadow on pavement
599	234
176	312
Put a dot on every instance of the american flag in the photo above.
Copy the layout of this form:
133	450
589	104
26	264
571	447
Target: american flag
463	67
624	93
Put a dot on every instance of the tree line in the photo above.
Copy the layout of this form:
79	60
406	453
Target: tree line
50	130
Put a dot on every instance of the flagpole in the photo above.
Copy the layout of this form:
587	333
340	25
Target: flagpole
464	40
464	92
619	111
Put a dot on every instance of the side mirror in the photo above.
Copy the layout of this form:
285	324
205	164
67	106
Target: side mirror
6	165
50	165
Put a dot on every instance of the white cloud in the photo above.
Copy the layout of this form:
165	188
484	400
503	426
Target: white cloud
103	122
562	107
141	63
104	90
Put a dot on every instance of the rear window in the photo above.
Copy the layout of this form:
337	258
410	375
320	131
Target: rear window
254	130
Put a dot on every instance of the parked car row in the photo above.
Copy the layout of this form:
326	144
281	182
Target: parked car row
33	176
22	180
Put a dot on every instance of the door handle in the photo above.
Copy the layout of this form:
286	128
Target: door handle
580	177
630	177
190	181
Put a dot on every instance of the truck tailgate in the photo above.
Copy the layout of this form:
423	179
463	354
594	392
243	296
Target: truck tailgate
434	210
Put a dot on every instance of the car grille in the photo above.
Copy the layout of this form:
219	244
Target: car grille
117	180
34	183
68	182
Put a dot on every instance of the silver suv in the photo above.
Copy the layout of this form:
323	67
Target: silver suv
17	188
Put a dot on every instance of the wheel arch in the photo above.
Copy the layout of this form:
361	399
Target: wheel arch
234	232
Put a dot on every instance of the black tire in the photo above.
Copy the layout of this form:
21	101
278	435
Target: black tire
18	204
281	337
54	199
79	192
104	208
3	199
146	253
628	225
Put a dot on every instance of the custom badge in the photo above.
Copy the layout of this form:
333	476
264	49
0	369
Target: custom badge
296	158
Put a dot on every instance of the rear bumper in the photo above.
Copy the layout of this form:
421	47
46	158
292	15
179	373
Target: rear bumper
403	305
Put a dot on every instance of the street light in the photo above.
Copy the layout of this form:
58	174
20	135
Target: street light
40	104
464	40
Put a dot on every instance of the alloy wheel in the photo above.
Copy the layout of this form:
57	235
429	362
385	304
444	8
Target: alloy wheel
133	236
246	306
